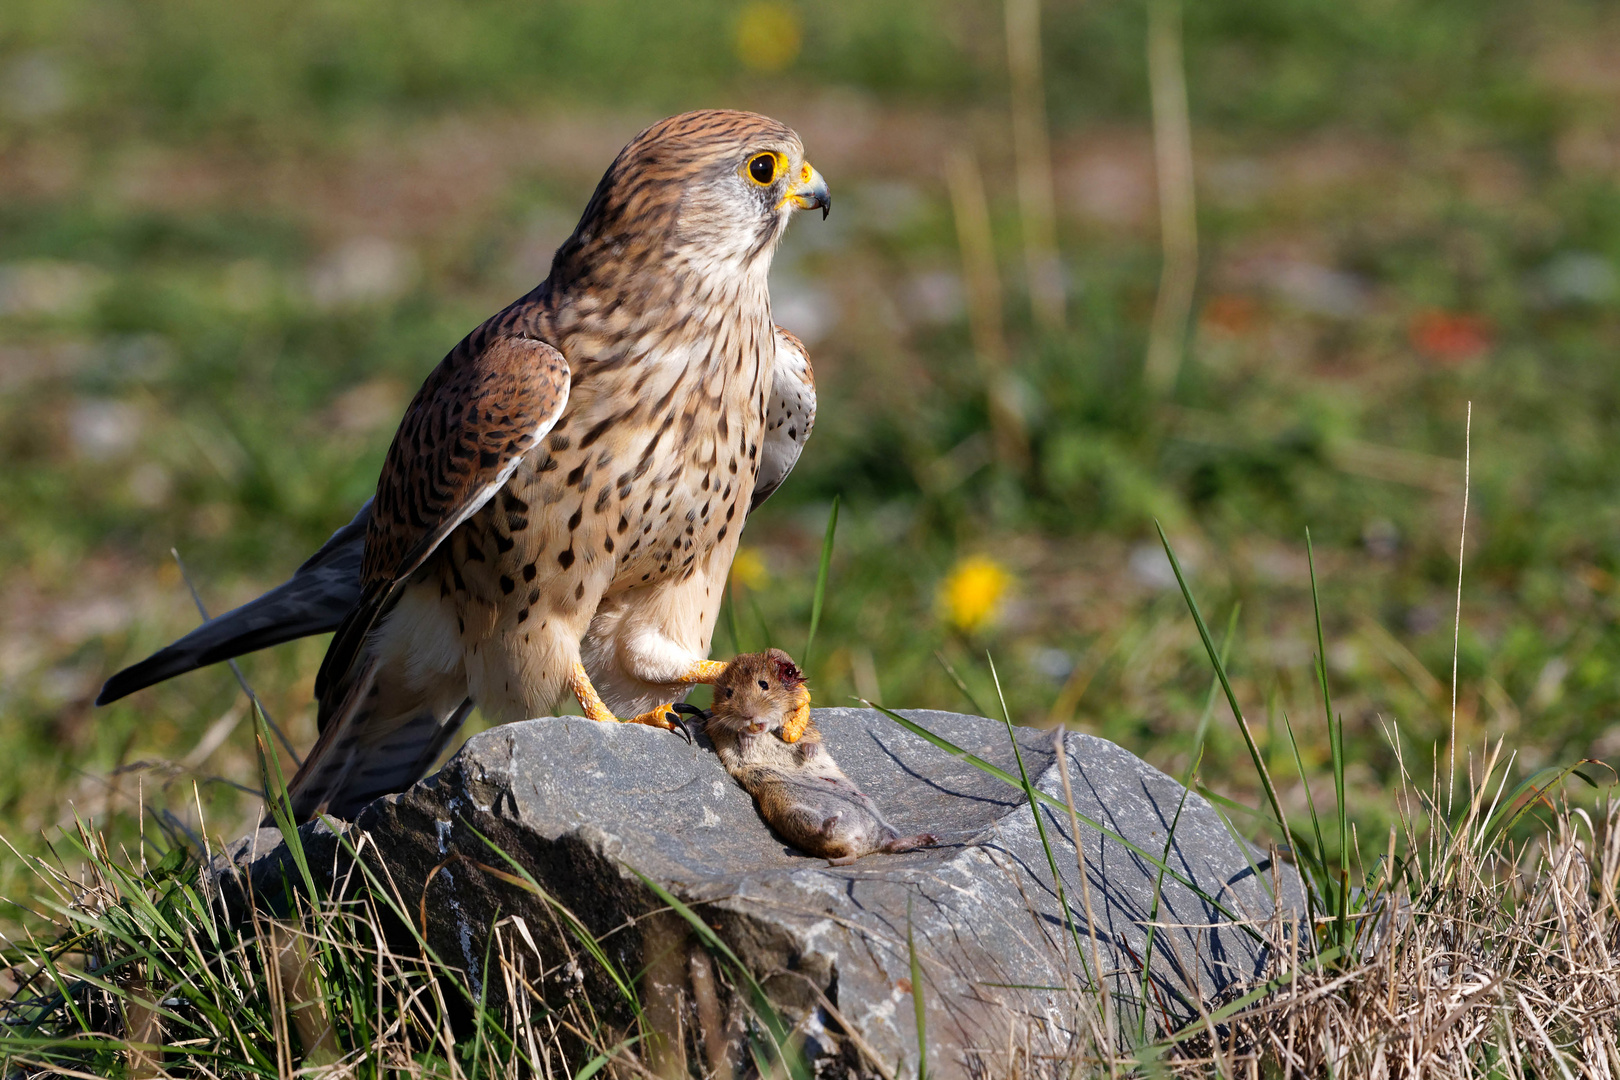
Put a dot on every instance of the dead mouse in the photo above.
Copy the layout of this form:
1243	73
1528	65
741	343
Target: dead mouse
798	787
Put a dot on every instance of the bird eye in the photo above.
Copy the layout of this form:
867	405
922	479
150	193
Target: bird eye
762	168
763	685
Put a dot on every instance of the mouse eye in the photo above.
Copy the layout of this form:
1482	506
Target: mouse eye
763	685
729	691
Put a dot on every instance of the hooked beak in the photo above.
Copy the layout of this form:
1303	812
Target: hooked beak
811	191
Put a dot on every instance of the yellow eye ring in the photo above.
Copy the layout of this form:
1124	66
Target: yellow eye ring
763	169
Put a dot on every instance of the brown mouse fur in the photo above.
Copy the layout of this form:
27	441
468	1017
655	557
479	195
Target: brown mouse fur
799	789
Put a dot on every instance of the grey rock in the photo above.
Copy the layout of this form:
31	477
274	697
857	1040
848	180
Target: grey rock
261	864
583	807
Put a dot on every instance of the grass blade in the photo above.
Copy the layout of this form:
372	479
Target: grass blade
1226	686
961	685
778	1030
1040	825
1335	726
917	998
594	1066
1008	778
821	581
1335	729
1531	790
278	802
524	880
1204	717
1158	891
1243	845
1315	867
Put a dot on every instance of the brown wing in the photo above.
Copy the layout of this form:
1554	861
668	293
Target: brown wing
481	410
789	416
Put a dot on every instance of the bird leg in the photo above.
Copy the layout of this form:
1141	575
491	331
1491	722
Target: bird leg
589	700
596	709
702	671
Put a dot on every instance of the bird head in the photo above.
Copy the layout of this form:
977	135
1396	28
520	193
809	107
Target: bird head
714	189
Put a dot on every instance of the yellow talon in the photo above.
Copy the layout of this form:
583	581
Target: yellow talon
596	709
659	717
799	719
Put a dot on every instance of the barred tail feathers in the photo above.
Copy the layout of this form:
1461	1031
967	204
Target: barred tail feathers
377	741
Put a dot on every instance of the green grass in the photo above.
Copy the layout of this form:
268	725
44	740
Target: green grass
167	379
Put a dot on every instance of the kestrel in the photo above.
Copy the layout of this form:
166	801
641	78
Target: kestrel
561	503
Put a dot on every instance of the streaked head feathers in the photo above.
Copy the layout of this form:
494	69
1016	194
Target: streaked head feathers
711	189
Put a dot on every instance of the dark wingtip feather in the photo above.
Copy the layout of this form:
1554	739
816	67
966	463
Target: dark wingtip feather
163	664
314	601
113	689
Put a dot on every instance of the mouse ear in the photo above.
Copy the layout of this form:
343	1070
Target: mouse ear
787	670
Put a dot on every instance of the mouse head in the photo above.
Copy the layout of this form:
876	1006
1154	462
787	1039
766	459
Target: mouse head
784	669
757	692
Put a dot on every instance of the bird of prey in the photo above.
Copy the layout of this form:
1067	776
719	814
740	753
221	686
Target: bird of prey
561	503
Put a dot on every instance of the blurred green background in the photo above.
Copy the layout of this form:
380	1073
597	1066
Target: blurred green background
235	237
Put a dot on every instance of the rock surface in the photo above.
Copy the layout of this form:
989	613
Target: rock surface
584	806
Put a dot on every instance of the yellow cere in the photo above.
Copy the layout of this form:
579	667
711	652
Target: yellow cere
793	190
971	595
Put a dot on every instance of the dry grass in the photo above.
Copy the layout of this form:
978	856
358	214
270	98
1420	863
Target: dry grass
152	971
1477	957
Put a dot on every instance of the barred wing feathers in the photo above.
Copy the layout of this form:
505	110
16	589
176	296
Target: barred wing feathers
478	414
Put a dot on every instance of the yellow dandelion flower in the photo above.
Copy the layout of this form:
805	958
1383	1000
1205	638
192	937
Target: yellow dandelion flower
768	36
970	596
748	569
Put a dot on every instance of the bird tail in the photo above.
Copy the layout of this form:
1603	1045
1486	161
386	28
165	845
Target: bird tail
316	600
378	740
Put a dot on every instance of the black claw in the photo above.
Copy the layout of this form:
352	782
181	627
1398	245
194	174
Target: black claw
680	726
684	709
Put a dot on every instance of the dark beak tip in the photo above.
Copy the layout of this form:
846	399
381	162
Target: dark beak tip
826	208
